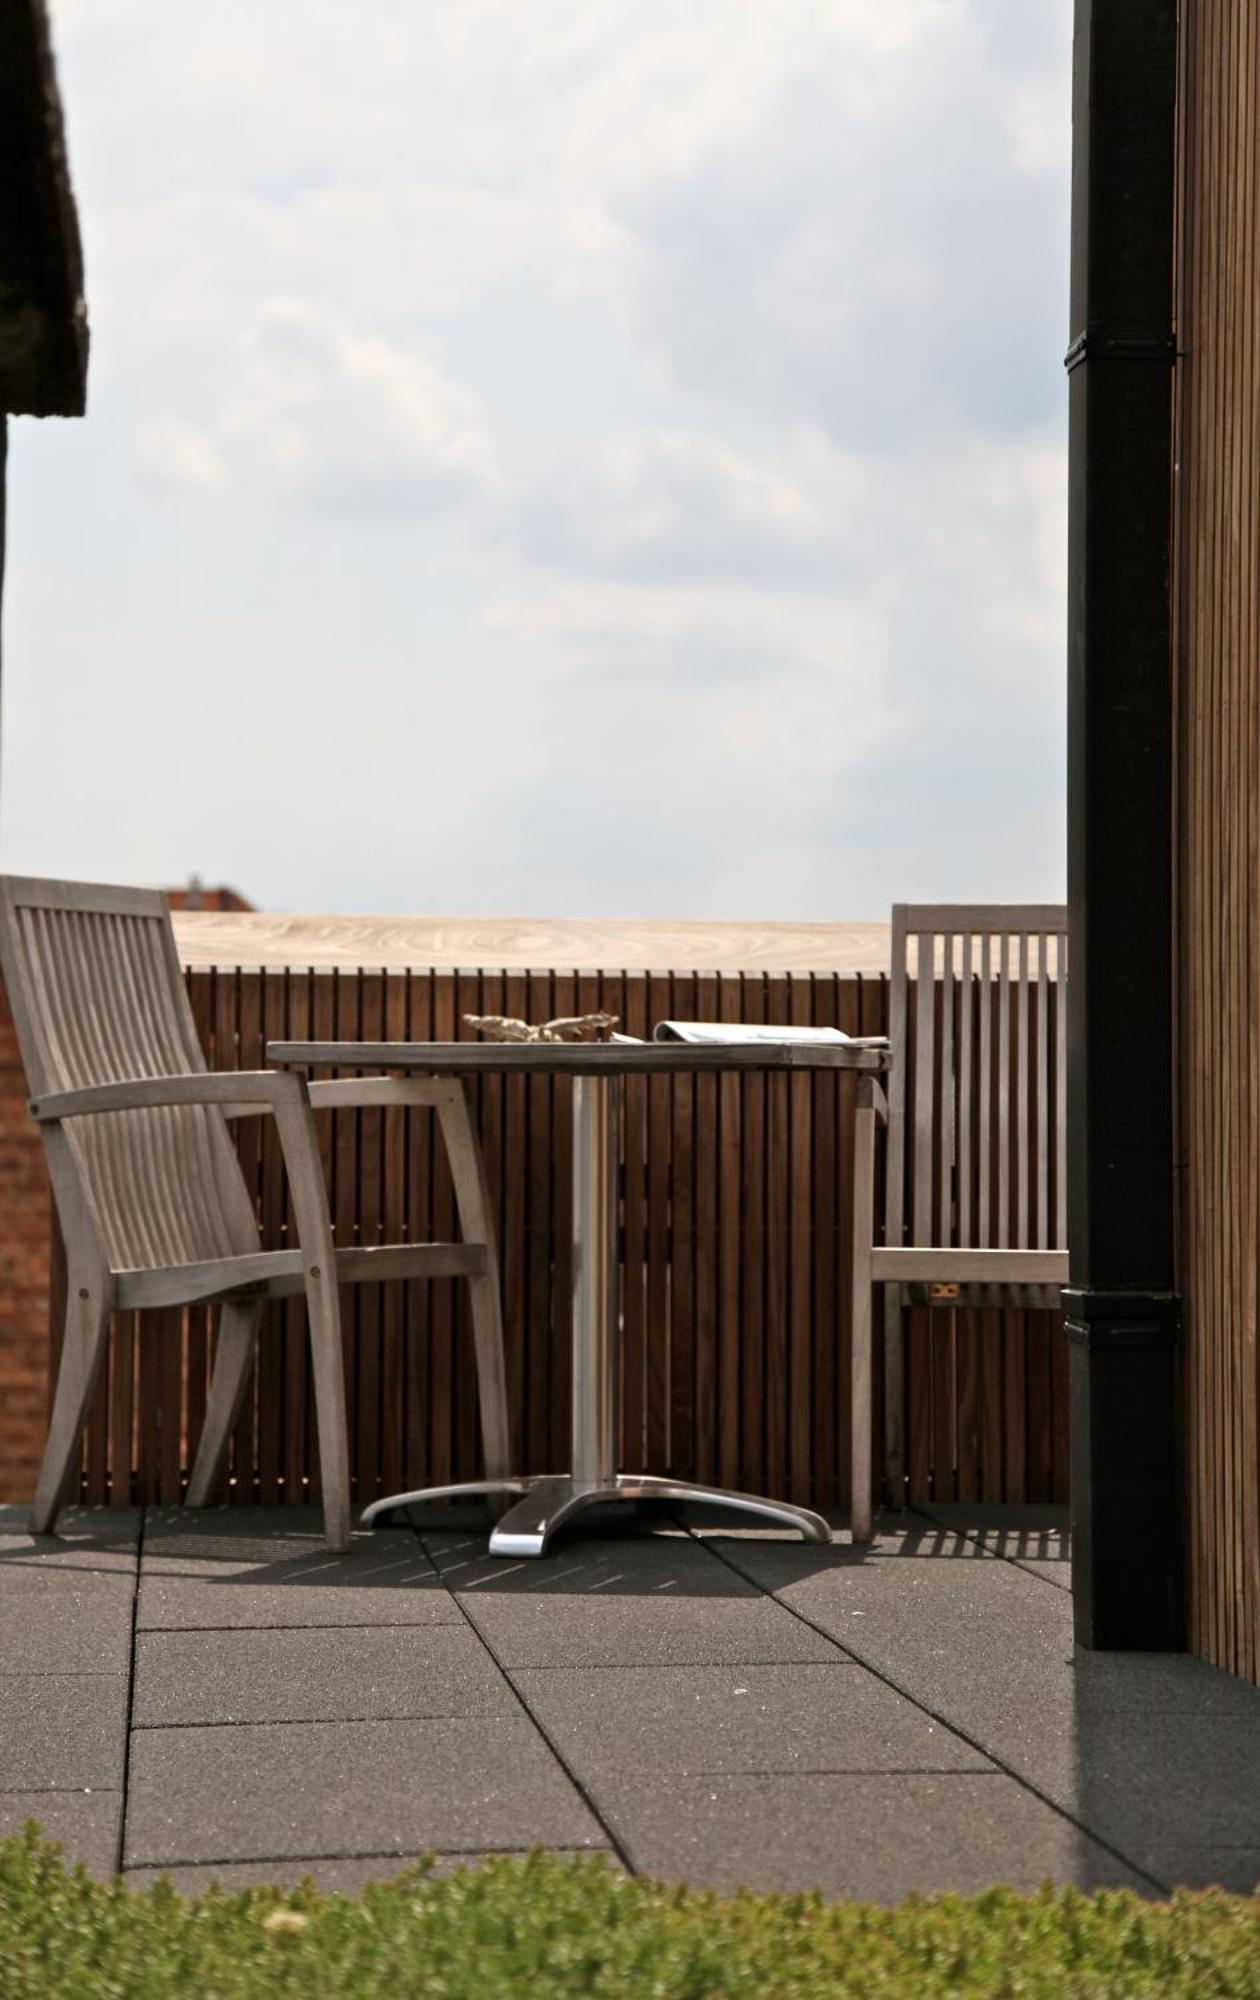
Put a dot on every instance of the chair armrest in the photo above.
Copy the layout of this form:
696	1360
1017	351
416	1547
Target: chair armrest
871	1098
235	1092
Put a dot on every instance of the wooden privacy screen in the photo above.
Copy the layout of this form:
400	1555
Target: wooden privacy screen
737	1195
1217	594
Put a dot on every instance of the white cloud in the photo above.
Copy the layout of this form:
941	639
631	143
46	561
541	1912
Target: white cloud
315	413
658	505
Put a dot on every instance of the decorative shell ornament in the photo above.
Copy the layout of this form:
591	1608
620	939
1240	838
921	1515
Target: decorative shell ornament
569	1028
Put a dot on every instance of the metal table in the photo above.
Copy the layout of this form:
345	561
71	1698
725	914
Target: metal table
549	1500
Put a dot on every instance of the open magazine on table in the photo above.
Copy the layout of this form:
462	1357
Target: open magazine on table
724	1033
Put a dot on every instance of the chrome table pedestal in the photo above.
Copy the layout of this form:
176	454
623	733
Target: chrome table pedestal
551	1500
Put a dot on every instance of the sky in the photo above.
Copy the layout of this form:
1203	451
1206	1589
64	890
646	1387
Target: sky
594	459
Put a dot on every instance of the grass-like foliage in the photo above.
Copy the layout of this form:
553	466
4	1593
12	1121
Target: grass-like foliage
548	1926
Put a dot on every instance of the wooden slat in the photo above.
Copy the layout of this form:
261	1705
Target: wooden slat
566	1000
751	1257
966	1052
1003	1176
730	1154
541	1006
924	1088
836	1004
657	1330
323	1022
242	1457
776	1266
1041	1054
710	1417
1023	1105
367	1298
347	1011
803	1481
298	1432
946	1139
984	1127
682	1249
628	997
272	1024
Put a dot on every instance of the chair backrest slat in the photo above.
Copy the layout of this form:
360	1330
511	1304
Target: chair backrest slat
924	1108
985	1058
98	997
1043	1089
1022	1120
947	1150
985	1070
898	1034
966	1053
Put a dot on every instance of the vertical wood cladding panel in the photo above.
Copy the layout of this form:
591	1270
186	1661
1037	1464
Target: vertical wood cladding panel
1217	605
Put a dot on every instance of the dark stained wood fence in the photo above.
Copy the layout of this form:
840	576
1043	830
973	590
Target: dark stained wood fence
1217	596
737	1198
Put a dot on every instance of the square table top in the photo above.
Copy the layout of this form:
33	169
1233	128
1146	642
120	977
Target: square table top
585	1058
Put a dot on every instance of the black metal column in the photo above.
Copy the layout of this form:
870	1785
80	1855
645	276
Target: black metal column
1123	1314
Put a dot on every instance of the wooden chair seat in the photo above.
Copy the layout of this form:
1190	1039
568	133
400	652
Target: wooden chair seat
280	1274
150	1195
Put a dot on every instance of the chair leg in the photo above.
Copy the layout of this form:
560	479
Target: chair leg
234	1351
861	1515
83	1351
894	1377
328	1367
309	1199
473	1201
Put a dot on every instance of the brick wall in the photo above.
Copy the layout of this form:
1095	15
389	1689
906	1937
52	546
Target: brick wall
24	1229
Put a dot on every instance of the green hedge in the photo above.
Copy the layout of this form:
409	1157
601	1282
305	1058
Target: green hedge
546	1926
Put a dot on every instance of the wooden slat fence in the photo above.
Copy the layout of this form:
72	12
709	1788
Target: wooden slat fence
737	1199
1217	652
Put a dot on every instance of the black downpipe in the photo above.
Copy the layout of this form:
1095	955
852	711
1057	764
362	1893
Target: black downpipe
1124	1316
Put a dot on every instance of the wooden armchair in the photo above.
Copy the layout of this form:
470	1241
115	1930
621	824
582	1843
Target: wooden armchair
153	1206
976	1122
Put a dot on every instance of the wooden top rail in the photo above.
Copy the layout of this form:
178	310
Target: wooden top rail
268	940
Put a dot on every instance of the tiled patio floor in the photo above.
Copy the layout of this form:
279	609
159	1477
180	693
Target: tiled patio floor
216	1695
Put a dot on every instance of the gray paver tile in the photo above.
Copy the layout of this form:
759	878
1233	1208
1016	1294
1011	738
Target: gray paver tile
65	1622
89	1540
1035	1536
1187	1867
244	1535
313	1676
651	1600
1149	1751
1163	1785
337	1874
269	1791
61	1730
205	1577
85	1825
624	1565
617	1725
870	1838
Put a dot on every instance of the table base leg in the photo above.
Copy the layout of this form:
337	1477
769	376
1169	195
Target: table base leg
526	1529
549	1501
466	1489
